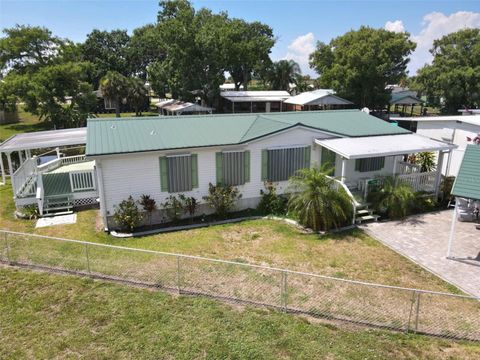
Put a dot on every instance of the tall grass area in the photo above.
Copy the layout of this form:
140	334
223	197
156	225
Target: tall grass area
47	316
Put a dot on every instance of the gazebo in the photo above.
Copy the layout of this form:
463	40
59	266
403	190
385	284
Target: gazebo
466	190
319	99
404	99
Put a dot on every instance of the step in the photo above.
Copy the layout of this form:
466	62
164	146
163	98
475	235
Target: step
58	213
361	219
363	212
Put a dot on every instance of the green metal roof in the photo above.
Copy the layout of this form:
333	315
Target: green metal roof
125	135
397	98
467	183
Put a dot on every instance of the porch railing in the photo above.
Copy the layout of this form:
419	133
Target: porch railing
419	181
337	185
408	168
22	178
82	180
73	159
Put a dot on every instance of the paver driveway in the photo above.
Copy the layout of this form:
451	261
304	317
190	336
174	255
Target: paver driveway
424	239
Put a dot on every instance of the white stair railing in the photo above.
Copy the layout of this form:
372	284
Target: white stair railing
23	176
337	185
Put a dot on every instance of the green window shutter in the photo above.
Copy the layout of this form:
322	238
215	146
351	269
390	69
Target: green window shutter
308	151
264	165
163	174
247	165
194	171
219	165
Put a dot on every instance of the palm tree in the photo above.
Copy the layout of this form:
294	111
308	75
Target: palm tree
393	198
317	201
114	86
283	73
137	94
426	160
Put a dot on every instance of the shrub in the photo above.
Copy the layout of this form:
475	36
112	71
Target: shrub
271	202
174	207
127	215
222	198
392	198
446	189
425	159
30	211
149	205
190	204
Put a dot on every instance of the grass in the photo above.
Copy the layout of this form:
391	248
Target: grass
53	316
352	255
27	123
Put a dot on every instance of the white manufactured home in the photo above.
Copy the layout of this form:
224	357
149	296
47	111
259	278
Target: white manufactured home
454	129
161	157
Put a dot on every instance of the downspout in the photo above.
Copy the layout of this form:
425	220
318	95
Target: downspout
101	194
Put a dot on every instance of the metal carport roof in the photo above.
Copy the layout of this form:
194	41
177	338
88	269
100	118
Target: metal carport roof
45	139
386	145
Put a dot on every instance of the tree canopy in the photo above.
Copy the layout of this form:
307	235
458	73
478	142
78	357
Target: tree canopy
361	63
454	74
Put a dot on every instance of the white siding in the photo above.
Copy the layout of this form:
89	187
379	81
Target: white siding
137	174
437	129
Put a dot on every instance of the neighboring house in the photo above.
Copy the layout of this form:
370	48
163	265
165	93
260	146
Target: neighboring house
253	101
107	105
404	99
172	155
229	87
177	107
56	183
320	99
452	129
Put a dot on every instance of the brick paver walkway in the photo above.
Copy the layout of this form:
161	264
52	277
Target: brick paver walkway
424	239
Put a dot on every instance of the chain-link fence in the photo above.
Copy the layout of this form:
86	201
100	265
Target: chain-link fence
428	312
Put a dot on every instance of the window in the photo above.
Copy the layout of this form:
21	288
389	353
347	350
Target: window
233	167
178	173
369	164
329	157
281	164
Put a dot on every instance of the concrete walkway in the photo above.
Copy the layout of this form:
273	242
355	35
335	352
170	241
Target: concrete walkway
424	239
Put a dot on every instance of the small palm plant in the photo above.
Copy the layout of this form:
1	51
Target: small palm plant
317	201
425	159
393	198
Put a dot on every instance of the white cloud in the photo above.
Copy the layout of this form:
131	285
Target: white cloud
395	26
300	49
434	26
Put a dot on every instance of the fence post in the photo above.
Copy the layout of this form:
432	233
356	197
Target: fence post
7	248
417	312
412	302
283	291
178	275
88	258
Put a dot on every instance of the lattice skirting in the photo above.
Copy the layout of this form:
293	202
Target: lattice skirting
85	202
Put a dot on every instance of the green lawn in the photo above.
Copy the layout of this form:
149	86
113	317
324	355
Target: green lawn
46	316
28	123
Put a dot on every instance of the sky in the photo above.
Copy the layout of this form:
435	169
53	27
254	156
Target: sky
297	24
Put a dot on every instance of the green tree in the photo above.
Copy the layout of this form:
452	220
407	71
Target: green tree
425	159
27	48
359	64
115	86
283	73
393	198
137	94
318	203
455	71
145	48
59	93
107	51
248	46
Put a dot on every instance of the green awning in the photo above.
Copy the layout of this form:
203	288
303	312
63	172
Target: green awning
467	183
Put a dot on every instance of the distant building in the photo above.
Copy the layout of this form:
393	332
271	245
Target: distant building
253	101
177	107
320	99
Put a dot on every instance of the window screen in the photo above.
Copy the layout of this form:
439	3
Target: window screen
179	173
233	168
328	157
284	163
370	164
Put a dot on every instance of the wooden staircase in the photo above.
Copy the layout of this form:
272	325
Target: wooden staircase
57	205
364	214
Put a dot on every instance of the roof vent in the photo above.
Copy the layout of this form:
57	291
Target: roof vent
153	132
113	126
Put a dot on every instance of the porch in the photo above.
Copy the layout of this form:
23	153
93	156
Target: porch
51	180
364	162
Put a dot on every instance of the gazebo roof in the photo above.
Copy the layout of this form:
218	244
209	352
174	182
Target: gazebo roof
467	182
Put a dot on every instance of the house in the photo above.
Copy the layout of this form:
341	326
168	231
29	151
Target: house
51	180
253	101
177	107
320	99
454	129
172	155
